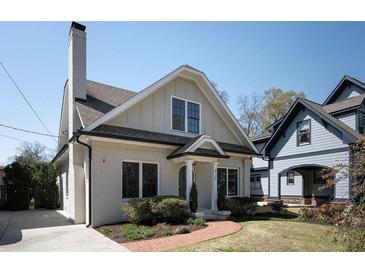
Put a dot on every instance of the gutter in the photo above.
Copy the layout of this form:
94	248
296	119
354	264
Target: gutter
90	154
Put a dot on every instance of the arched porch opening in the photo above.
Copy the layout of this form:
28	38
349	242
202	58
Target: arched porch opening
304	182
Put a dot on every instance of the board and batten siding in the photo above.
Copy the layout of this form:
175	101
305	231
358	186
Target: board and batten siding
349	119
153	113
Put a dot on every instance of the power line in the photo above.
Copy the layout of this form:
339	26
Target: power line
21	140
30	131
26	100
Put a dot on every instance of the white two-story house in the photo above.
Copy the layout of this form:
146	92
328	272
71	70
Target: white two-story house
117	144
309	138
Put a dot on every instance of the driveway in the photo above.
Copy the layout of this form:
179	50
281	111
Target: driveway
49	230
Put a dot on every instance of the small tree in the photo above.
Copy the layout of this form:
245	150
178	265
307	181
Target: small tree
222	93
193	198
250	116
221	197
18	179
352	225
46	189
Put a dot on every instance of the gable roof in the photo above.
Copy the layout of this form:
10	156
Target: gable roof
183	71
318	110
345	81
100	99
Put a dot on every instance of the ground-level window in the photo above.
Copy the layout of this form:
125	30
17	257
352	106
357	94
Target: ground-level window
304	133
228	177
139	179
290	178
255	181
318	177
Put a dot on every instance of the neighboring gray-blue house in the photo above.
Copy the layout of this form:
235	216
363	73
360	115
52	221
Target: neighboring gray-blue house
308	138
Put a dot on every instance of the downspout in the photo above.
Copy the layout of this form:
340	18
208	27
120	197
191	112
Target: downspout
90	153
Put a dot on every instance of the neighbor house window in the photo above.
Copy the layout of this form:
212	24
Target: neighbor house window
304	133
139	179
255	181
185	115
318	177
290	178
228	177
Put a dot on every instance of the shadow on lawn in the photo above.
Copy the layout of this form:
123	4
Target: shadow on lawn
265	217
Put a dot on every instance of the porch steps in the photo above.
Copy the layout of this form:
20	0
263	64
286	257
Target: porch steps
208	214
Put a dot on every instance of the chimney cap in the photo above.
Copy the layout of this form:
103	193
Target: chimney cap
78	26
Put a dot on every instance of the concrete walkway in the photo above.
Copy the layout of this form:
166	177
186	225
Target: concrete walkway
214	230
49	230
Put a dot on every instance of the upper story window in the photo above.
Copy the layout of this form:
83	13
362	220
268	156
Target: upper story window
185	115
304	133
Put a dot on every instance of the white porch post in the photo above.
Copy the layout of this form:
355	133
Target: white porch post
189	177
214	186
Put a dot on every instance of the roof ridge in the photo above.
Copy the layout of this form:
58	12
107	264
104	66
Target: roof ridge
111	86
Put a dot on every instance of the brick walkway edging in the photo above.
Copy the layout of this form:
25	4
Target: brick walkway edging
214	230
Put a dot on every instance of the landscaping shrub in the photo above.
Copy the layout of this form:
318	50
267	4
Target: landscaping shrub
139	211
193	198
171	210
325	214
278	206
199	221
46	189
221	197
241	206
182	230
136	232
105	230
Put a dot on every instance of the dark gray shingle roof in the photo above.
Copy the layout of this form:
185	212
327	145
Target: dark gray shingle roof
157	137
100	99
353	102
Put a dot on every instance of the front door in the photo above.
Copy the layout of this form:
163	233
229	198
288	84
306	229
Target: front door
182	182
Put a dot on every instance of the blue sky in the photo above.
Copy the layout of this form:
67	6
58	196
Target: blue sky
242	57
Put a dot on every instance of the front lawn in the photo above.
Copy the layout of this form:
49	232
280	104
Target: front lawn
274	234
123	233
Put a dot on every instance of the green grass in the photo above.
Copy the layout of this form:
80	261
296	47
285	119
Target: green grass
274	233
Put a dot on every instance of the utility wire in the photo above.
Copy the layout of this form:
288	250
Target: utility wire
29	131
21	140
26	100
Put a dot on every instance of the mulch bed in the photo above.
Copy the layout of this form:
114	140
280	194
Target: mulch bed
114	231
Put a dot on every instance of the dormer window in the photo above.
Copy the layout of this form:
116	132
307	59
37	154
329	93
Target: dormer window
304	133
185	115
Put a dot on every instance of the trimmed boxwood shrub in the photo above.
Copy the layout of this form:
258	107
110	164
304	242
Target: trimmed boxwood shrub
241	206
169	209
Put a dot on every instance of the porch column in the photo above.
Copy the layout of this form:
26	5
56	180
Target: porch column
189	177
214	186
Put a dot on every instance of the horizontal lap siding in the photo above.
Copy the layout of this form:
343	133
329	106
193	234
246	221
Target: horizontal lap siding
322	138
292	190
328	160
349	119
264	191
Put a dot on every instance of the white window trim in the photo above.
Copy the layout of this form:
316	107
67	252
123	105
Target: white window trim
238	179
140	177
186	114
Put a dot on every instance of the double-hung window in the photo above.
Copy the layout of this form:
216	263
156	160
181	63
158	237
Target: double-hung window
290	178
255	181
228	179
139	179
185	115
304	133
